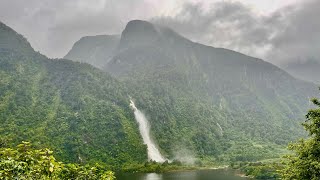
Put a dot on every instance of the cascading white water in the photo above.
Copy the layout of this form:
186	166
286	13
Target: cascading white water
221	131
144	128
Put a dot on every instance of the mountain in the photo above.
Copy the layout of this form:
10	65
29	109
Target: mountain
214	102
13	41
95	50
80	112
207	103
306	70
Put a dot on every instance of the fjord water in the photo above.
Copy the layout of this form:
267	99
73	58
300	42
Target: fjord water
144	128
217	174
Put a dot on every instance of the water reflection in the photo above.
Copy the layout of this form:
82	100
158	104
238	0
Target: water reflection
188	175
153	176
221	174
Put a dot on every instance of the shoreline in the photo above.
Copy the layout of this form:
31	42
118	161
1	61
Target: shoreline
236	172
181	169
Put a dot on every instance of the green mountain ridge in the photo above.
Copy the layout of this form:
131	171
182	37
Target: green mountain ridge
190	90
244	95
213	104
80	112
13	41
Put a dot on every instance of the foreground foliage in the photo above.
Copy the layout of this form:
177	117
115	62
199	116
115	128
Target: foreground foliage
27	163
305	162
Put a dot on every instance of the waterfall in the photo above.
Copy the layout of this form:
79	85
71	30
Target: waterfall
221	131
144	128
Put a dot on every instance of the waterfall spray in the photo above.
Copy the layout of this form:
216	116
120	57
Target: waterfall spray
144	128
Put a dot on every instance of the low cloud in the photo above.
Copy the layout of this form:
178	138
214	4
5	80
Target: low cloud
53	26
289	34
299	36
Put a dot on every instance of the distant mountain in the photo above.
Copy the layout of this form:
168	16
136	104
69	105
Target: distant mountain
77	110
306	70
95	50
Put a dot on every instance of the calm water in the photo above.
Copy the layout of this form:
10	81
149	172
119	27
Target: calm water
220	174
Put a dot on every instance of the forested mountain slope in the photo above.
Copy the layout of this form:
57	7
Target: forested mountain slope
214	102
211	100
80	112
203	102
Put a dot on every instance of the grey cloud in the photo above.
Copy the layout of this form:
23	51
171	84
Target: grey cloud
53	26
224	24
289	34
300	39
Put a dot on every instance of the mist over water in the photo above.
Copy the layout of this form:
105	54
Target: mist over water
144	128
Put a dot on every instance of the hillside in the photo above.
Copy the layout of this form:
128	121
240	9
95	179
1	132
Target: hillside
80	112
13	41
202	102
213	102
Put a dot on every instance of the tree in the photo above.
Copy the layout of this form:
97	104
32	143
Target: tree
27	163
304	163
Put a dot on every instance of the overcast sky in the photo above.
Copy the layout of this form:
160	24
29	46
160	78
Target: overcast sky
275	30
